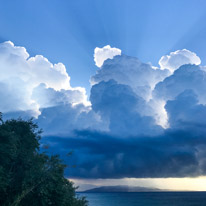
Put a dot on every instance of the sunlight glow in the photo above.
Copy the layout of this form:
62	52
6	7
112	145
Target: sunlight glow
177	184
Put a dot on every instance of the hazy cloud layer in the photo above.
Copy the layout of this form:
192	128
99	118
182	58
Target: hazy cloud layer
139	121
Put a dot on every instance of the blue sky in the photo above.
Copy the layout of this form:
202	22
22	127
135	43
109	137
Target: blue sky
139	114
68	31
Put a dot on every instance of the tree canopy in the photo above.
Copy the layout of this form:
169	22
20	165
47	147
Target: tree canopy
28	176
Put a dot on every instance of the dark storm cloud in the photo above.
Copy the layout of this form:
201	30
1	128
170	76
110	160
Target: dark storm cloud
179	151
176	153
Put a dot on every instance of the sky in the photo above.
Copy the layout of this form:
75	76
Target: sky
120	83
68	31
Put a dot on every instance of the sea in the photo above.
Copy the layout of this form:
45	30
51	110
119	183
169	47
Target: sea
146	199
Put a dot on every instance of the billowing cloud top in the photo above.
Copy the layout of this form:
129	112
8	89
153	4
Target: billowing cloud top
102	54
140	121
21	77
178	58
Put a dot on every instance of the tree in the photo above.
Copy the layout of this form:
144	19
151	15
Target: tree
27	176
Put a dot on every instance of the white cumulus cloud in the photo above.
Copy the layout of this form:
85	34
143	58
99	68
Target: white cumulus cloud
21	74
128	97
178	58
102	54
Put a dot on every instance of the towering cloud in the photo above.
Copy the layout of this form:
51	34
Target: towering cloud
123	109
185	112
186	77
130	71
141	121
22	77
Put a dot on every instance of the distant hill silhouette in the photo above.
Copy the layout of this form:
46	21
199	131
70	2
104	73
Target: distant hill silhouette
122	188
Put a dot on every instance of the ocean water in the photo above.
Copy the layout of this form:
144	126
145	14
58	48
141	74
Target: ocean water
146	199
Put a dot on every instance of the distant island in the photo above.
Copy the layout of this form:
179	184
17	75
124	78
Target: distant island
122	188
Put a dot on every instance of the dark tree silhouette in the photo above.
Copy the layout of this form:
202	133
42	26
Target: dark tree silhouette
27	176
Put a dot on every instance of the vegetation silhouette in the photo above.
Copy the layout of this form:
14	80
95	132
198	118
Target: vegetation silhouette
29	177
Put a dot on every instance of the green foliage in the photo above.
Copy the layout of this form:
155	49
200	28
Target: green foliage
28	177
